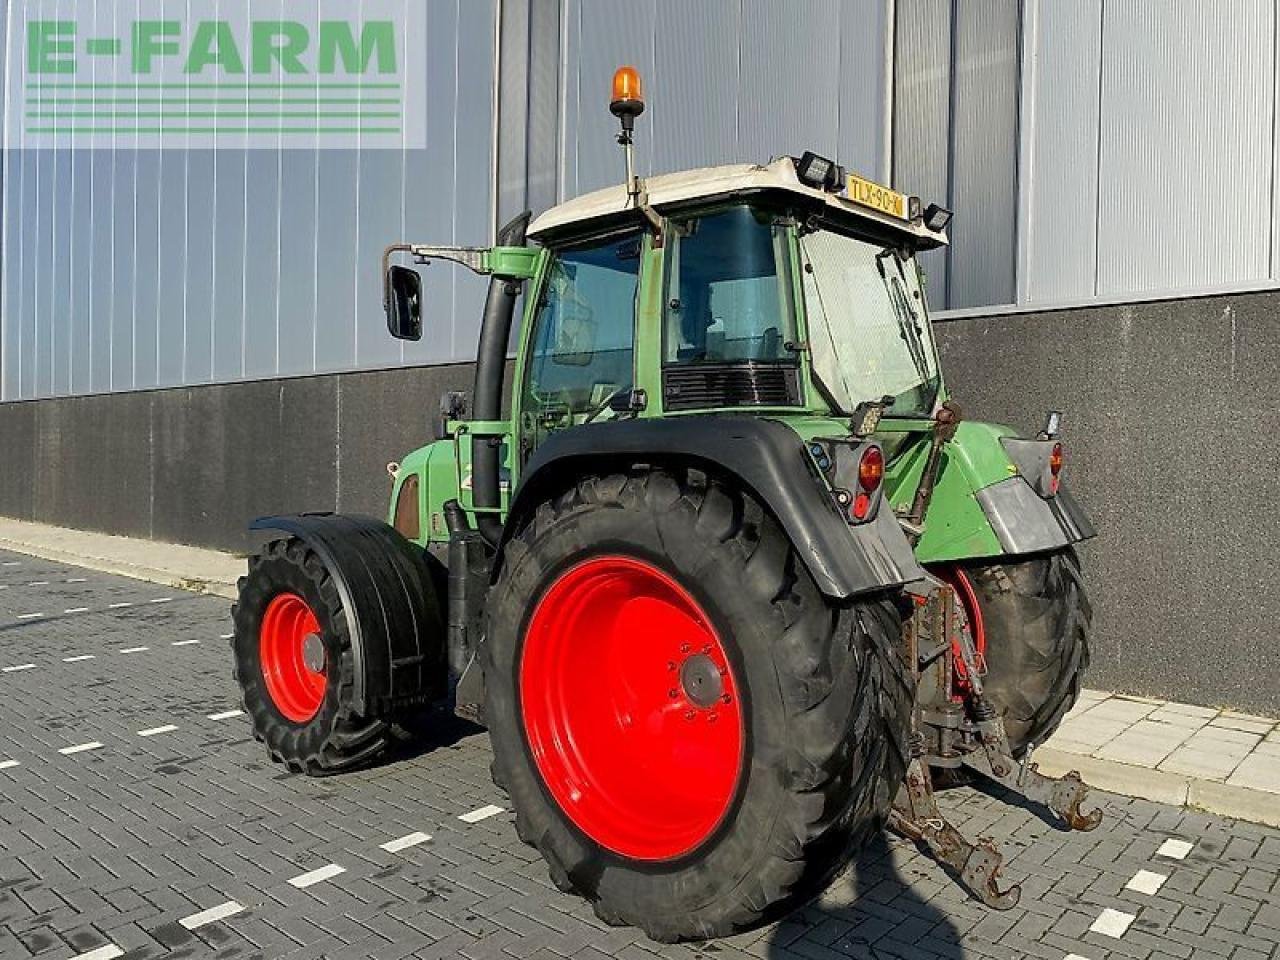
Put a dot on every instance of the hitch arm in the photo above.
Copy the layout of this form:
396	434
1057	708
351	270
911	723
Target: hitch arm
915	815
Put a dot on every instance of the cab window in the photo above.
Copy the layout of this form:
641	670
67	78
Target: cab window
582	345
729	296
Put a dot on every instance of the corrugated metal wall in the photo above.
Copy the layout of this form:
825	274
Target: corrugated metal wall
1149	144
727	81
1091	149
127	269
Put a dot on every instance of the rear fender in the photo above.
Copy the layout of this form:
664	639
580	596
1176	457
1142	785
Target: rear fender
388	598
768	457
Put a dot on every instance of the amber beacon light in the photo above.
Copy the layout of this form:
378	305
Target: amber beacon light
627	101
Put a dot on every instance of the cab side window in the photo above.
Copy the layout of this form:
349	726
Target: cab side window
582	346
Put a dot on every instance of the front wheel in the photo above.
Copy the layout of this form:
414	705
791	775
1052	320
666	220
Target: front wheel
1030	618
294	665
690	733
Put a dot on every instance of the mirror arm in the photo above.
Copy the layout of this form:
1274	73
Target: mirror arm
475	259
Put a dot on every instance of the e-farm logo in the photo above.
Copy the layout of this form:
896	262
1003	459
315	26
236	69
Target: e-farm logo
217	73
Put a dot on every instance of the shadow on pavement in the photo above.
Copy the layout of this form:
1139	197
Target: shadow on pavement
871	911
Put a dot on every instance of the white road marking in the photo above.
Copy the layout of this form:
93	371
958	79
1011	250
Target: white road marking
212	915
17	669
225	715
1112	923
83	656
106	952
1074	956
38	583
77	579
484	813
118	606
135	649
310	879
11	563
1174	849
226	636
183	643
1145	881
80	748
404	843
8	764
29	616
160	600
76	610
155	731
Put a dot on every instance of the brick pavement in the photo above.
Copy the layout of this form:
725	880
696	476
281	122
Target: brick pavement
183	842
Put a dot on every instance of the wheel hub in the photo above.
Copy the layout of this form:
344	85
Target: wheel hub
630	708
291	652
313	653
700	678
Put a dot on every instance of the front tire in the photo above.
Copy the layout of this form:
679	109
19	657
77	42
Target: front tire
294	666
629	612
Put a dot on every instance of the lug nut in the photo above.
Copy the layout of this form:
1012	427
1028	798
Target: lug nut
690	715
672	693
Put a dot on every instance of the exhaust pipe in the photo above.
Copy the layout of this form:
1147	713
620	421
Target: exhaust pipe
491	364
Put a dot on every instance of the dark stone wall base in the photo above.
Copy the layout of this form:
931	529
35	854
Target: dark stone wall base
194	465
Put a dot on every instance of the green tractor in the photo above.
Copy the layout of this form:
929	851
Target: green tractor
733	584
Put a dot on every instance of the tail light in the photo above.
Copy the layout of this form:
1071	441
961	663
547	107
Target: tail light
870	476
1055	467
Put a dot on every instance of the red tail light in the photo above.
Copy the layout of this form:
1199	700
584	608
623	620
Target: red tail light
1055	466
871	470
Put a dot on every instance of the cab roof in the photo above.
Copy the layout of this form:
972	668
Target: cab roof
672	190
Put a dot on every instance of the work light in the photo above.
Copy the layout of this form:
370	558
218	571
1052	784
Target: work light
936	217
819	172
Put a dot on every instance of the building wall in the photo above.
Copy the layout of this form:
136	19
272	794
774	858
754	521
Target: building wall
154	264
1170	418
197	464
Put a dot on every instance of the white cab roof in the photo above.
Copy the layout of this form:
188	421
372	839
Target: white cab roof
689	185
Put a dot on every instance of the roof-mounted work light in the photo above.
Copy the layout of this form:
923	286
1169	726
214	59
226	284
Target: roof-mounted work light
936	218
819	172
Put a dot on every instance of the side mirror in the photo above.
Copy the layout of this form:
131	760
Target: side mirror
404	303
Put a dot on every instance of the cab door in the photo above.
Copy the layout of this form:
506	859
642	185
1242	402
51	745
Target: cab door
578	352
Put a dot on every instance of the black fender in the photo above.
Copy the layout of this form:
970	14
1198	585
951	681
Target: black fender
765	455
389	598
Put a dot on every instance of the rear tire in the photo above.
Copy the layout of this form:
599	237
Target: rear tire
334	738
821	690
1036	619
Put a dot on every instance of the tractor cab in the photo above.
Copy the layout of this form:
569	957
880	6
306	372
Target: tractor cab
760	288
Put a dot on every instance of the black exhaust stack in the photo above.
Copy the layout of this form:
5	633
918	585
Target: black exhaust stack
491	364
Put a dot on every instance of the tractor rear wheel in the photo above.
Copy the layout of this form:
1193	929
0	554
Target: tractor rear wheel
294	667
689	732
1031	619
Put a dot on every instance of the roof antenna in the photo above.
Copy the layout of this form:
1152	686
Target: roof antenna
626	105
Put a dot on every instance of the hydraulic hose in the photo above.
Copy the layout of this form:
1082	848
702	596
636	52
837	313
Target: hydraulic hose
491	364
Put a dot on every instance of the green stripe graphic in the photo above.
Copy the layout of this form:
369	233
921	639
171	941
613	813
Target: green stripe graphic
64	85
179	114
356	101
220	129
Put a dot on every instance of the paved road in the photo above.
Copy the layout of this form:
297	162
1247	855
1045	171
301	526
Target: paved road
139	818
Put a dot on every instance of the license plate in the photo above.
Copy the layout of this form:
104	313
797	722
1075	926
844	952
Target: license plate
868	193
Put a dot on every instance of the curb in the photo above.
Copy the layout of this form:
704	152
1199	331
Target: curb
1224	799
112	554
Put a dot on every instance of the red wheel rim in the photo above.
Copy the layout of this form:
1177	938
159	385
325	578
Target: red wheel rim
971	615
631	709
295	689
